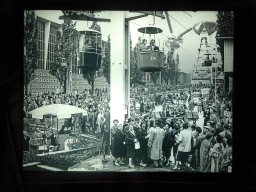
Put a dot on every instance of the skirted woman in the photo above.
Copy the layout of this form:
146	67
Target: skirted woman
130	140
216	155
105	141
227	155
34	142
143	140
205	163
167	145
118	149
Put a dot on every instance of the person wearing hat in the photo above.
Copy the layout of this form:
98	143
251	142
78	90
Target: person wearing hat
156	141
204	153
184	147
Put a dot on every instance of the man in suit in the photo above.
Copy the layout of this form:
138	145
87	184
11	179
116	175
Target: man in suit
152	46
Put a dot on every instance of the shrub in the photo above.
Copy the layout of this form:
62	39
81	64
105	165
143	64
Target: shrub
64	161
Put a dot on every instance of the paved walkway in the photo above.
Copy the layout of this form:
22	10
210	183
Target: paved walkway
96	164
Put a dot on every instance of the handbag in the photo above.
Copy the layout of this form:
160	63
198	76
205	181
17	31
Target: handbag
137	145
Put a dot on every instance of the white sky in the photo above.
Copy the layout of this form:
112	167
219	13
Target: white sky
188	52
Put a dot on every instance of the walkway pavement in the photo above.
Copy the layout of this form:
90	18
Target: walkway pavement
96	164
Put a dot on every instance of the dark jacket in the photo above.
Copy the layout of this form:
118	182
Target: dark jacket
118	148
129	140
155	48
167	143
143	141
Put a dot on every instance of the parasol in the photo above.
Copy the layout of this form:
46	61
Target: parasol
60	110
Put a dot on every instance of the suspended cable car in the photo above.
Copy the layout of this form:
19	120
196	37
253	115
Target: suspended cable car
149	58
90	50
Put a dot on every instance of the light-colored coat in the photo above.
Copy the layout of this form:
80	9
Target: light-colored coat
156	142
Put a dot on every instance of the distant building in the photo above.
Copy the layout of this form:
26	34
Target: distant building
184	78
228	47
44	81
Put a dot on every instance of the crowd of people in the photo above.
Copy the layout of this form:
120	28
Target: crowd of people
145	140
97	107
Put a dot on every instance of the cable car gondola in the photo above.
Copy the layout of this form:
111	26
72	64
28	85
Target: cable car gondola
90	56
149	59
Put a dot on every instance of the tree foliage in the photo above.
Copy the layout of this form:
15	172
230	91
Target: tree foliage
225	23
135	74
65	50
172	71
225	27
89	75
31	52
106	61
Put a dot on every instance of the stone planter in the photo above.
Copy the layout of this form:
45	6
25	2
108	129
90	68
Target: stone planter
65	159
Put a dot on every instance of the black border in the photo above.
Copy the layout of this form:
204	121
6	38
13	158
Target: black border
244	137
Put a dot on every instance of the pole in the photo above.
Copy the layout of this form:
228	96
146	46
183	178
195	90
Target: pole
215	83
57	124
168	21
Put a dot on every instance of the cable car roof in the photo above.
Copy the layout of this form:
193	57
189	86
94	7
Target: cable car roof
150	30
90	32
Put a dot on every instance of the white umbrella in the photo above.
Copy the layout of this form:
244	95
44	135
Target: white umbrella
60	110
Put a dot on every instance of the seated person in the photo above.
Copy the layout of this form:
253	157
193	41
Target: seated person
143	46
152	46
62	131
88	46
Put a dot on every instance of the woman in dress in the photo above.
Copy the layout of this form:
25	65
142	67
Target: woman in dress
34	142
130	140
226	157
216	155
88	46
143	46
206	145
118	145
105	141
167	145
143	140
